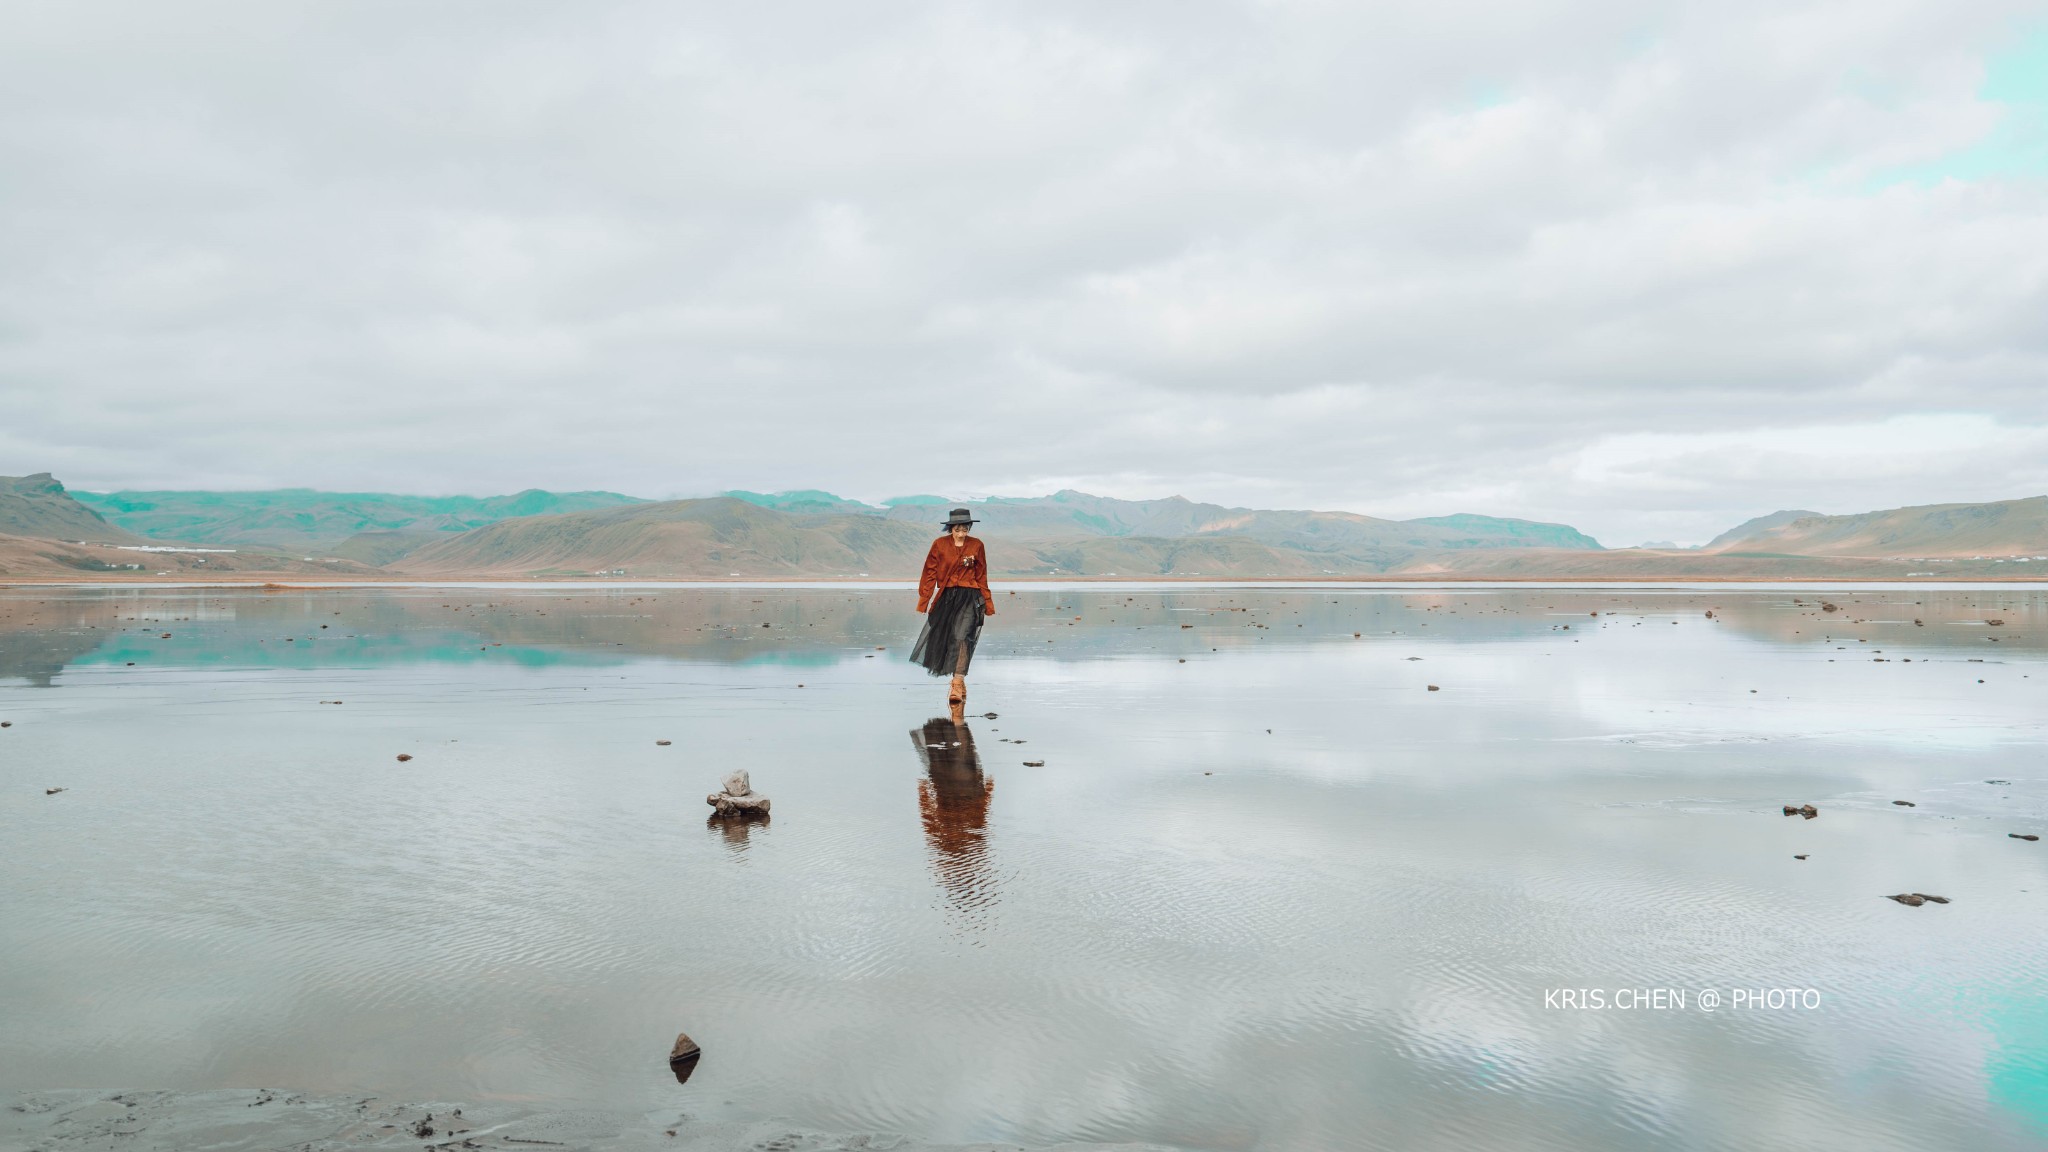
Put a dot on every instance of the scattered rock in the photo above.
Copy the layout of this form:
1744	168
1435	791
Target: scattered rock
1998	781
1183	661
424	1127
1931	898
738	798
404	756
1806	810
1034	763
2023	835
1434	688
6	723
1995	623
165	636
1905	803
52	791
1801	856
988	715
661	743
1827	607
1909	899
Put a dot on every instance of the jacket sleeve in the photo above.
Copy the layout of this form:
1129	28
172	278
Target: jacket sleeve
988	599
929	581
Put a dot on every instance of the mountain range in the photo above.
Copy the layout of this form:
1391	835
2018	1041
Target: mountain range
45	530
302	518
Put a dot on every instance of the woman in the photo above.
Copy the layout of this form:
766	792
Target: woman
957	569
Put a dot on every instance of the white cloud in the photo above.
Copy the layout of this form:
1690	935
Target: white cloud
1619	264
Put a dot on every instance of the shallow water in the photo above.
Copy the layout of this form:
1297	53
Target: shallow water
1266	891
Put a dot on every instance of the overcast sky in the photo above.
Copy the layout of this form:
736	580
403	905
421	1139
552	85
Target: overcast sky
1648	269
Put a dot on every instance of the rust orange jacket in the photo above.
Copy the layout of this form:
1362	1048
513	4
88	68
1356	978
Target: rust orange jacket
946	566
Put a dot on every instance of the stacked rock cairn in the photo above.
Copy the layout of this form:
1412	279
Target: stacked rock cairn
738	798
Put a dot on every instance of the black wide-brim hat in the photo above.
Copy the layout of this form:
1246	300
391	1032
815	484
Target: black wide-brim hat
959	516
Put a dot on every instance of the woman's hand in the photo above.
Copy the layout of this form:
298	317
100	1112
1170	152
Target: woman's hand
988	609
920	607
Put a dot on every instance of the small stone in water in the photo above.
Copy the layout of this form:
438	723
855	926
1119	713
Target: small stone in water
1909	899
1434	688
1034	763
1799	857
404	756
52	791
2023	835
662	743
684	1048
1905	803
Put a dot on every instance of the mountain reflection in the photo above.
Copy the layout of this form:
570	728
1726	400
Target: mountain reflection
44	630
953	799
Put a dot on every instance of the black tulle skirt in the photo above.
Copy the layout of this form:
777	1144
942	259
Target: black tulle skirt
953	619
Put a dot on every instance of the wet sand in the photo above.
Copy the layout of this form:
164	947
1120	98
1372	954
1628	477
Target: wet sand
259	1120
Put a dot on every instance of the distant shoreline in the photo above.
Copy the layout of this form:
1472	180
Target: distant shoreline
288	584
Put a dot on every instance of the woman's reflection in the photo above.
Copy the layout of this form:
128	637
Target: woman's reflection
953	798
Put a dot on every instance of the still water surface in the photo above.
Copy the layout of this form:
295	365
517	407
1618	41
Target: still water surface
1267	890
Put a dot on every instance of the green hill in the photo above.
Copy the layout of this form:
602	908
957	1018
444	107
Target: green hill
307	519
2002	528
1756	527
38	506
1069	533
707	539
